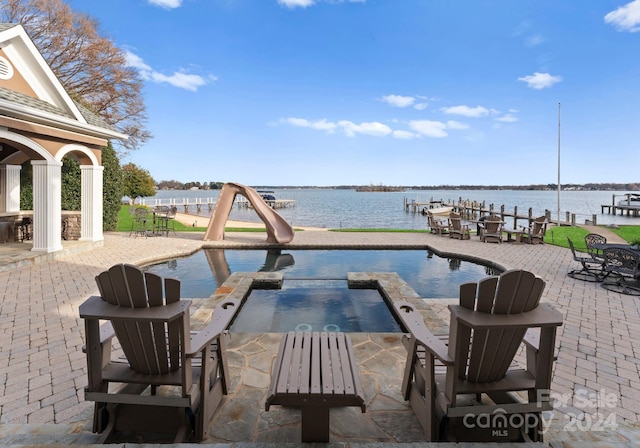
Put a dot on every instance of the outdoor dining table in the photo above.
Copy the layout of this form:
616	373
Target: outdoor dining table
600	247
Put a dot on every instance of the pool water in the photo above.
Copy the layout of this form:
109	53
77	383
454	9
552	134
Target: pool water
429	275
315	305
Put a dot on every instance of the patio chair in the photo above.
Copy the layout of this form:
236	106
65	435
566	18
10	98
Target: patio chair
491	229
591	240
164	220
139	224
458	230
622	270
465	386
438	226
535	231
592	269
169	381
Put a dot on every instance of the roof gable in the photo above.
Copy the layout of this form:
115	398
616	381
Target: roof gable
31	67
30	91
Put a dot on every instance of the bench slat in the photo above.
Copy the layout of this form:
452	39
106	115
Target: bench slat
284	368
336	366
316	385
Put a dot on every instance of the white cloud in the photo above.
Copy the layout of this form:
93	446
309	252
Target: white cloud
291	4
374	128
398	100
405	135
540	81
507	118
452	124
625	18
135	61
296	3
177	79
350	128
466	111
167	4
180	79
421	106
320	125
435	129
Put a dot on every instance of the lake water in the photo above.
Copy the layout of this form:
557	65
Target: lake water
332	208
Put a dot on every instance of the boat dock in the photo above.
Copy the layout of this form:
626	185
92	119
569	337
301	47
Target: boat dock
208	204
273	203
473	210
629	205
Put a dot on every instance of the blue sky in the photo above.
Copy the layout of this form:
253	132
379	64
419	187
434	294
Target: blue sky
394	92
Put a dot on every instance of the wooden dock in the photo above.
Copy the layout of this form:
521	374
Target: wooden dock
208	204
473	210
629	205
275	204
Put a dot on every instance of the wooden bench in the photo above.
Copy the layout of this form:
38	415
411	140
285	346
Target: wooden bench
315	371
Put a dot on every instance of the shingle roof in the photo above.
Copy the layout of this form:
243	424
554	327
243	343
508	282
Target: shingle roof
25	100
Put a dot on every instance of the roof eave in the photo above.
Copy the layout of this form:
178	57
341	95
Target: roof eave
38	116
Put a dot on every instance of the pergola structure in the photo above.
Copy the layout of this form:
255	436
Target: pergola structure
40	122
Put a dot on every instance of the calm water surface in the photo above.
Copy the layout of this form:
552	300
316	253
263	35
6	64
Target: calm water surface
429	275
348	208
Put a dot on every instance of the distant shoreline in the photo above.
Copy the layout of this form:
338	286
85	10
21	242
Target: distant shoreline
629	186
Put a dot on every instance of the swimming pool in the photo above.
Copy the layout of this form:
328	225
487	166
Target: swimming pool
315	305
429	275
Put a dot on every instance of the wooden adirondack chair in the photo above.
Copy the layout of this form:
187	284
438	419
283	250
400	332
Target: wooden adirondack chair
491	229
437	226
464	385
458	230
536	231
169	381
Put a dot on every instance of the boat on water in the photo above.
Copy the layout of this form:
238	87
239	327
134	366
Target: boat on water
267	195
438	211
631	201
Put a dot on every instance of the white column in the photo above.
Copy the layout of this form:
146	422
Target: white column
10	188
47	205
91	216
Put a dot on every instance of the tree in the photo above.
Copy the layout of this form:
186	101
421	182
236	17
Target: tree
137	182
89	66
112	189
71	187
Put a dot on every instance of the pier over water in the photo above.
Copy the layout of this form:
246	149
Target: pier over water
473	210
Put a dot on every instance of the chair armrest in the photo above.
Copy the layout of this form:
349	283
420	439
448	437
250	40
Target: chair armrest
222	317
414	323
97	308
544	315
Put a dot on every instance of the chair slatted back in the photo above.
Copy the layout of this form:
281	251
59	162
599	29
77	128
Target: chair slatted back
150	347
489	352
493	224
622	261
590	240
456	221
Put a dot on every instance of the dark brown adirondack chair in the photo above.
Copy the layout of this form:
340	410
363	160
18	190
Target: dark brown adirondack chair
437	226
462	386
169	381
536	231
458	230
491	229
